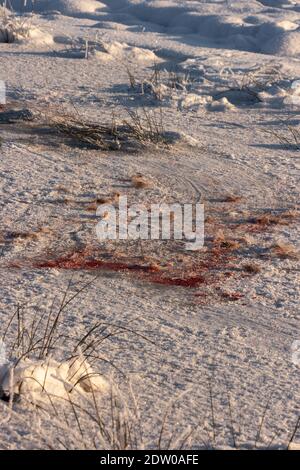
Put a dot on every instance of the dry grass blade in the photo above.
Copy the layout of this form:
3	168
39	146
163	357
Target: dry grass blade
37	335
288	135
294	433
63	306
231	416
147	127
162	429
251	268
262	421
10	322
212	409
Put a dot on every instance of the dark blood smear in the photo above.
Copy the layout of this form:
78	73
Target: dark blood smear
150	273
206	271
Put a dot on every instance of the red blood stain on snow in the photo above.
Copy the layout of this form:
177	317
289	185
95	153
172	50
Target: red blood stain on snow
194	272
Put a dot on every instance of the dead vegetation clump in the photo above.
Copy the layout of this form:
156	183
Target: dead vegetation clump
232	198
13	27
279	218
21	235
110	199
251	268
146	127
142	128
288	135
285	250
94	135
245	88
221	240
140	182
160	84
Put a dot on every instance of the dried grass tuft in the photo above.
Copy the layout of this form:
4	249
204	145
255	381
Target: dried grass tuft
222	241
232	198
285	250
140	182
13	27
142	128
251	268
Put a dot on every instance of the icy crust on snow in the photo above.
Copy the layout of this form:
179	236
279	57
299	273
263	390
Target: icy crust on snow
45	380
248	26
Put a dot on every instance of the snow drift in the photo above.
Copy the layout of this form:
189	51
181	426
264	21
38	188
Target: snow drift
227	26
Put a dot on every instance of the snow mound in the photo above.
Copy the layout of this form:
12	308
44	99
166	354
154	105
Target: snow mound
119	50
38	37
38	381
221	105
106	51
193	102
14	28
287	25
32	35
293	97
285	44
294	446
66	7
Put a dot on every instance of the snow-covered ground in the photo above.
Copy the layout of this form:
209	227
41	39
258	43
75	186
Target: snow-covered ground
205	340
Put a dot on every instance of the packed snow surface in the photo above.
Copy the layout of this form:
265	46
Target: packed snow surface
203	339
